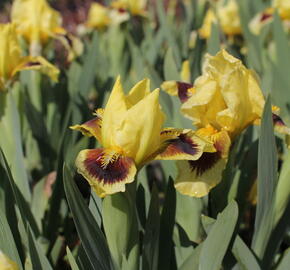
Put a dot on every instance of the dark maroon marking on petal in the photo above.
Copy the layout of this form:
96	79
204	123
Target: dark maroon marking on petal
183	93
182	144
115	171
277	120
68	39
32	64
204	163
265	16
122	10
94	122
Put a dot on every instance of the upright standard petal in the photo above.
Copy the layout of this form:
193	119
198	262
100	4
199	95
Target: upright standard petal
106	170
114	113
197	178
139	91
139	132
227	95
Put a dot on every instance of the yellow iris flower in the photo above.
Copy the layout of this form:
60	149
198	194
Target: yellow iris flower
37	22
6	263
227	95
265	17
227	15
11	60
136	7
101	16
223	102
130	131
283	7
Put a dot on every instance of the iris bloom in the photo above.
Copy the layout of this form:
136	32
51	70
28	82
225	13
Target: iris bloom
37	22
130	132
227	15
265	17
223	101
6	263
101	16
135	7
12	61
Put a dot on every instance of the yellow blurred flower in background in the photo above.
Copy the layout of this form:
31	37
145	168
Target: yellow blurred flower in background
209	19
6	263
226	15
283	7
101	16
35	20
265	17
38	22
135	7
229	18
12	61
130	131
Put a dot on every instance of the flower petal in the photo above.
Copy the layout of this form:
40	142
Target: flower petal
197	178
185	73
181	89
279	125
114	113
139	132
6	263
38	63
178	144
106	171
91	127
139	91
99	16
36	20
72	44
281	128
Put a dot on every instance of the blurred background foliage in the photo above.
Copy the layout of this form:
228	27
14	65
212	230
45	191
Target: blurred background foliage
49	217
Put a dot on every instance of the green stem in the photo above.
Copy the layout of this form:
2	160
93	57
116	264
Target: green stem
121	227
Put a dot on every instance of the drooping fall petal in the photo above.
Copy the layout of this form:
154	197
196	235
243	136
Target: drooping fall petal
91	127
106	170
37	63
197	178
180	144
181	89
